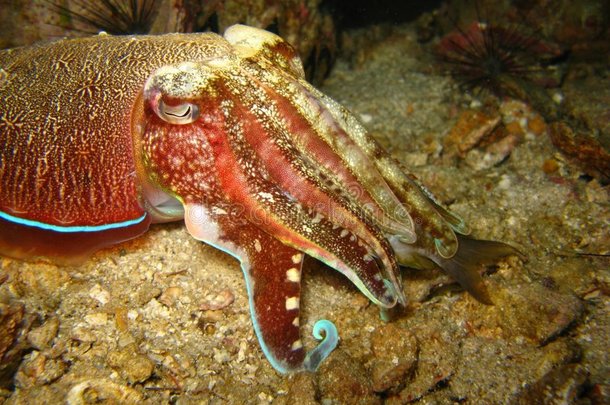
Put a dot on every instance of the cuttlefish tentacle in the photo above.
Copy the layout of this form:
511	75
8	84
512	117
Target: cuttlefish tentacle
225	206
283	215
325	151
273	281
268	187
270	140
418	203
334	157
437	228
314	133
330	136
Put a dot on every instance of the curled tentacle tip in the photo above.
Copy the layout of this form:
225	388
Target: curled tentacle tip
444	250
408	235
329	338
407	238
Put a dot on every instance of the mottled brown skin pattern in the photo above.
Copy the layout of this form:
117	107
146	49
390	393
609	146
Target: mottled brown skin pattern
66	106
57	126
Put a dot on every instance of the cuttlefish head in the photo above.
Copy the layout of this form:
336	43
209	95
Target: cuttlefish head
267	168
245	134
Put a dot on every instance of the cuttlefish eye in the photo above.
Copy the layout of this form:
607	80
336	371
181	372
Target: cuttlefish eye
170	91
180	114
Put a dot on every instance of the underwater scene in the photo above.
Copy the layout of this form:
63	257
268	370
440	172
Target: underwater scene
304	201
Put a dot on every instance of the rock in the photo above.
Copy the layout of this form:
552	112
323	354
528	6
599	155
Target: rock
10	319
395	351
133	367
437	361
583	148
494	371
41	284
40	338
561	385
421	285
102	391
50	393
536	312
12	343
343	380
588	99
38	369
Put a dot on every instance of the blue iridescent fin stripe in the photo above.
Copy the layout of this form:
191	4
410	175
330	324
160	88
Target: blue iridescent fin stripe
68	229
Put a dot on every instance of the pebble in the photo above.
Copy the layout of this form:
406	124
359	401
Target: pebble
479	160
14	323
40	338
366	118
170	296
536	125
562	385
99	294
416	159
218	301
97	319
471	127
82	334
550	166
102	391
132	366
38	369
121	318
146	293
535	312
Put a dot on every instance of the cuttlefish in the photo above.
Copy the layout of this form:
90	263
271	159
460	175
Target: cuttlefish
102	136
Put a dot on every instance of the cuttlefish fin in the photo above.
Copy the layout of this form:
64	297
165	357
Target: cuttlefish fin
472	254
273	278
